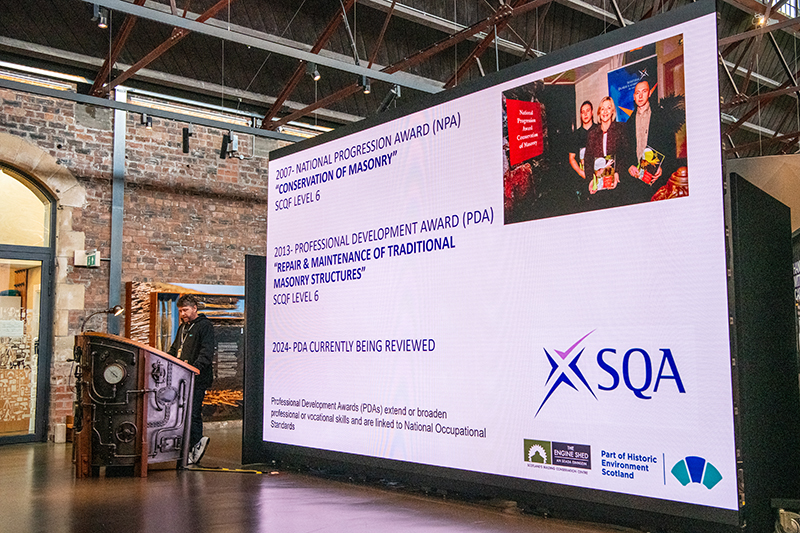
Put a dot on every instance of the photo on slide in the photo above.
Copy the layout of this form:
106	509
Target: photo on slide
606	134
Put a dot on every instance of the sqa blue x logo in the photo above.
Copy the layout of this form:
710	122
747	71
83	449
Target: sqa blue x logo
565	370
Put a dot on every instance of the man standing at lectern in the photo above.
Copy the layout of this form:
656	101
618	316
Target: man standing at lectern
194	344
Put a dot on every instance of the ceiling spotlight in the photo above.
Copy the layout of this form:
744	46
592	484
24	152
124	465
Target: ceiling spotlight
311	70
759	20
365	85
100	16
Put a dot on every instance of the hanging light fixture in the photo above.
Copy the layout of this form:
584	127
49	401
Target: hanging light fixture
365	85
311	70
100	16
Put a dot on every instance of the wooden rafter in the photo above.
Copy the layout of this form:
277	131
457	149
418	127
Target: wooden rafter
291	85
539	24
177	35
502	17
98	87
408	62
768	96
380	36
787	138
786	24
341	93
753	110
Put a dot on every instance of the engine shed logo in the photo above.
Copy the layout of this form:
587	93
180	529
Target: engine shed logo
558	453
635	367
538	451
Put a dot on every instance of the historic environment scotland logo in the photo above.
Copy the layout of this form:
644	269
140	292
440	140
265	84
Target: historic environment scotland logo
693	469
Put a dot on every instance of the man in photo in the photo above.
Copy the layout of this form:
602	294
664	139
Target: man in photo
649	138
578	140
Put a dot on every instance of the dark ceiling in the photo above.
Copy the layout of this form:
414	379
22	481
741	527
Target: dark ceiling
387	35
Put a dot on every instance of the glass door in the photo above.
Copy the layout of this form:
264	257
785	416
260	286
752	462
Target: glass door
20	300
26	271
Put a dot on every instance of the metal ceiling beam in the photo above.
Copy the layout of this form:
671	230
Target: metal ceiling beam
410	61
618	13
502	17
729	75
295	45
784	64
594	11
452	40
411	82
119	42
181	83
653	10
788	23
769	96
762	79
539	24
746	126
753	110
435	22
341	94
291	85
133	108
177	35
381	34
787	138
755	6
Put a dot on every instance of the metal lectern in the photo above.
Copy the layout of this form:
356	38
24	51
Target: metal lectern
133	405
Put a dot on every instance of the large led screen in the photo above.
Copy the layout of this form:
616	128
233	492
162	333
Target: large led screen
527	281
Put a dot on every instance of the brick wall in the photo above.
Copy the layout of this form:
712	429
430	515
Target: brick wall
187	217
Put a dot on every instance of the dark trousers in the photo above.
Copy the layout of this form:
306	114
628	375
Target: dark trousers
196	431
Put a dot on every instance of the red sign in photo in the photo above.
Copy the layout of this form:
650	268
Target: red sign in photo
524	130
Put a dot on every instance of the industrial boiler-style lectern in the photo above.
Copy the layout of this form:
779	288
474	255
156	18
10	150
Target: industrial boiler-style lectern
133	405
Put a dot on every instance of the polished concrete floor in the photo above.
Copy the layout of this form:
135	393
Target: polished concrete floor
39	493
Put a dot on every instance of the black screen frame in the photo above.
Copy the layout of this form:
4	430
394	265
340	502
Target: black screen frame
591	503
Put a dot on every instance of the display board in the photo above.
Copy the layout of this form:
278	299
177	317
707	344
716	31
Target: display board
445	289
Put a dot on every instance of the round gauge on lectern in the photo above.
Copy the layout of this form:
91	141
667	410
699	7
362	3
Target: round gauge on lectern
114	373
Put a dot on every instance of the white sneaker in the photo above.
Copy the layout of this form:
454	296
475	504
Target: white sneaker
197	452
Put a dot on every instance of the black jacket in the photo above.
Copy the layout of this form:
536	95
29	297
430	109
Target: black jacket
660	137
198	348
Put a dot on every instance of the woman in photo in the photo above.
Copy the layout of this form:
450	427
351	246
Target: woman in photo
604	144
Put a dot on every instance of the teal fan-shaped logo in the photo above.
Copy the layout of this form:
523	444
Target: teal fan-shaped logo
693	469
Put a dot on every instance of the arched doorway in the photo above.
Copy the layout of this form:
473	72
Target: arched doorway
27	257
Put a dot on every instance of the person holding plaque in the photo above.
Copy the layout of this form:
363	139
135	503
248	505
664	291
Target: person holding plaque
604	144
651	158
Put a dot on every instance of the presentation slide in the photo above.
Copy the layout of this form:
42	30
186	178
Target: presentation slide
528	281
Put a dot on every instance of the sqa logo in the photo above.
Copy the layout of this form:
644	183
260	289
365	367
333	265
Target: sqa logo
564	370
